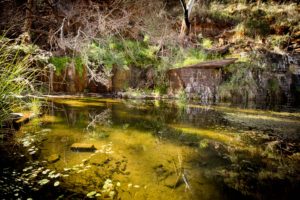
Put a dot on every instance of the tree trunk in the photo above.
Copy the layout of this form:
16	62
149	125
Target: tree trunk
51	74
186	24
185	28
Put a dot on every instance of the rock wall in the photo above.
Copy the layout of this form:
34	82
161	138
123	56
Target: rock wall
133	77
120	79
196	82
285	69
71	81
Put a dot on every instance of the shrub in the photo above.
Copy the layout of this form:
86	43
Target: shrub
123	53
257	24
242	82
182	97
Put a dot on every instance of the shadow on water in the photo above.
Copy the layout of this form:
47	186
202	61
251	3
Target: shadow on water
154	150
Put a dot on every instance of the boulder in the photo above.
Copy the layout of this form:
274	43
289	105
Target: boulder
22	119
53	158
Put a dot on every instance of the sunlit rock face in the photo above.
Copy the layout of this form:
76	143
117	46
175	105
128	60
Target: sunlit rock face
134	77
198	81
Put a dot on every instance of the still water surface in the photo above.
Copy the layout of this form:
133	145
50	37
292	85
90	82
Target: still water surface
156	150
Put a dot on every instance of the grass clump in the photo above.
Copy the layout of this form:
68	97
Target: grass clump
16	78
207	43
192	56
279	41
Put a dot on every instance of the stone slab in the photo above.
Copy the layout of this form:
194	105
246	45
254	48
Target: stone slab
83	147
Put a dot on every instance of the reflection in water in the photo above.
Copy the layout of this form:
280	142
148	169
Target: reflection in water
157	150
101	119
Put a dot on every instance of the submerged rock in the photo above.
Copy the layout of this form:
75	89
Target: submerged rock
161	172
173	181
82	147
53	158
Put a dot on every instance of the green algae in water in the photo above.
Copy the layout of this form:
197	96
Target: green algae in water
147	150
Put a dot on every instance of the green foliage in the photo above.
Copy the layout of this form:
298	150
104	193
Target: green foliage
186	57
223	17
257	24
273	84
61	63
123	53
207	43
16	78
280	41
242	82
105	54
79	65
161	89
182	97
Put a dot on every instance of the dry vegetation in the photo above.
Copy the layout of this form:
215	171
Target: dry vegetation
64	26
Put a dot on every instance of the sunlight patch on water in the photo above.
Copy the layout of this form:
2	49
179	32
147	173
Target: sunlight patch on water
249	111
77	102
263	117
219	135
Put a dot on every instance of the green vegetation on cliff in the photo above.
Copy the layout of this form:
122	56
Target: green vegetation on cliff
61	63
